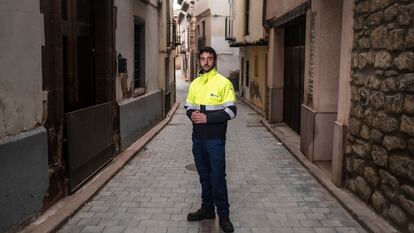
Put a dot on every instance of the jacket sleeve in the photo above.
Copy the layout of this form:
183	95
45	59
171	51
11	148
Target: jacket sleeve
229	102
190	105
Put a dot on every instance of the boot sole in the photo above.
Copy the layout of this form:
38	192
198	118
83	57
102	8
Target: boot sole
199	219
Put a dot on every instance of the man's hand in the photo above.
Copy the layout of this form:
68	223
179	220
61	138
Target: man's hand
198	117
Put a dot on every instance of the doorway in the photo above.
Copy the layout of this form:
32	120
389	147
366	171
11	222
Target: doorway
294	62
87	85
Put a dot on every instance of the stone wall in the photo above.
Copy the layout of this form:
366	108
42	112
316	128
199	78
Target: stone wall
380	149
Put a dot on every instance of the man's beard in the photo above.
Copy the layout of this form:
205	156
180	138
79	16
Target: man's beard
206	69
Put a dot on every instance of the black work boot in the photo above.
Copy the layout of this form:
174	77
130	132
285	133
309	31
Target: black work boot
201	214
226	225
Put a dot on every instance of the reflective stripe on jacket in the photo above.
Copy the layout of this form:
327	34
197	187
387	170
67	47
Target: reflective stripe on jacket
212	94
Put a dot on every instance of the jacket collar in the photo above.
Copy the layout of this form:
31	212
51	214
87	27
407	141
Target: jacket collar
208	75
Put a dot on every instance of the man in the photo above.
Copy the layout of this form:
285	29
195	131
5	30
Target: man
210	104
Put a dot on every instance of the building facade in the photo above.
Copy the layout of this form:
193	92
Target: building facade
340	75
304	64
187	49
380	156
83	80
244	29
210	31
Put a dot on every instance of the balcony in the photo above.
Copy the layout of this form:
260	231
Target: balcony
173	38
229	29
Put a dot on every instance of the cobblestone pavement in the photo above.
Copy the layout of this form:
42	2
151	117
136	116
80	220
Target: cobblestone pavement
269	190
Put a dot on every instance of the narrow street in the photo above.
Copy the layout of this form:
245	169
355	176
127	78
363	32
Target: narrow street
269	190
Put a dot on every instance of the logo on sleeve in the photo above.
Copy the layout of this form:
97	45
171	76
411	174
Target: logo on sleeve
214	95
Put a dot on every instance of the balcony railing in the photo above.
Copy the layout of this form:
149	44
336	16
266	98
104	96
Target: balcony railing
173	38
229	29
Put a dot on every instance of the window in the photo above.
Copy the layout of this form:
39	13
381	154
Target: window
247	74
246	17
139	53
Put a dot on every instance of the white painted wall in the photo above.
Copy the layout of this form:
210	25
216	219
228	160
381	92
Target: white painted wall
256	30
21	36
227	57
126	10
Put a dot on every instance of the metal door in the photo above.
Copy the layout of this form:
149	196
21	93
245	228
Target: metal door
294	60
88	143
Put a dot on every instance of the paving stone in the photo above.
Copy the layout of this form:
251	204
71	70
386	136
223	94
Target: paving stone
269	190
92	229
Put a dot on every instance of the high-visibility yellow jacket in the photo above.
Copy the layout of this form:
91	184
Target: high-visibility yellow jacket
212	94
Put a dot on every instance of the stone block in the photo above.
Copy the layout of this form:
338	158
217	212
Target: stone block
409	104
375	18
406	82
389	179
389	84
394	103
378	201
411	146
379	156
409	38
364	43
408	191
357	110
351	185
397	215
375	136
379	37
405	61
377	99
363	189
358	166
359	78
362	7
379	4
371	176
396	39
402	166
364	94
373	82
407	124
411	227
362	149
354	126
394	142
354	93
407	205
404	16
391	12
365	132
384	122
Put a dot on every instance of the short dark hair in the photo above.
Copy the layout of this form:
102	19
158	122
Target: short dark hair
208	50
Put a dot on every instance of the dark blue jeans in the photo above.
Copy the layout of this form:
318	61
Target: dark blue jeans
209	156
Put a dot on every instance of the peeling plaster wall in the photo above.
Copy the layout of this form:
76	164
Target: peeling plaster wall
126	11
21	36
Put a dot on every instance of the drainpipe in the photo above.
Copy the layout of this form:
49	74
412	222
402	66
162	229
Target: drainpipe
264	23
